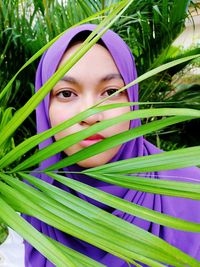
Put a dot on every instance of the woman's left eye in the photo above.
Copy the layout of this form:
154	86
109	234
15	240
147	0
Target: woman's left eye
111	91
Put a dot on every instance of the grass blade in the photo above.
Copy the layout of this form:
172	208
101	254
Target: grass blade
128	207
13	220
170	160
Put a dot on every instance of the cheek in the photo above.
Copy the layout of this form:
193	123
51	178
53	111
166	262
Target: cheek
121	127
58	114
112	113
56	118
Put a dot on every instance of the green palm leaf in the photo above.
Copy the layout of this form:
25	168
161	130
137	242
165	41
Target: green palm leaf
115	230
65	211
169	160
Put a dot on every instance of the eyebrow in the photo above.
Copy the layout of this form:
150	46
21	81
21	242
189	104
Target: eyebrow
69	79
108	77
112	76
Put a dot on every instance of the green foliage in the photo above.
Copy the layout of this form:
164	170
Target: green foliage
3	232
26	26
55	206
48	206
5	117
149	27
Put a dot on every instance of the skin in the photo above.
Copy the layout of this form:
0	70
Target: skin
94	77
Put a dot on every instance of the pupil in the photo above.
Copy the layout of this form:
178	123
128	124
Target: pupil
66	93
111	91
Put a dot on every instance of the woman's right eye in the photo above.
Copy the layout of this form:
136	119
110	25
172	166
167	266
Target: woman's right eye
65	94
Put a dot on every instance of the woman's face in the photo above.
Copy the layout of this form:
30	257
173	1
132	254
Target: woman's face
93	78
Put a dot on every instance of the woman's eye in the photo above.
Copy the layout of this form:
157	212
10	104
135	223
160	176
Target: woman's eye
65	94
111	91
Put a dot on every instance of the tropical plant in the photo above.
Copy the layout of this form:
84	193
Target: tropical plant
178	85
145	24
63	210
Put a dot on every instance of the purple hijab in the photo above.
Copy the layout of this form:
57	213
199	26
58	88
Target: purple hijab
178	207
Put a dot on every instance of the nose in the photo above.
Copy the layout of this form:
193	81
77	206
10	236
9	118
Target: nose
95	118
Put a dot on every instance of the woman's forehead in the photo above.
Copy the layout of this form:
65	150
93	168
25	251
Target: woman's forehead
118	49
113	43
95	67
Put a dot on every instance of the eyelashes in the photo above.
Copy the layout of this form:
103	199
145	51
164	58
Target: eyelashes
111	91
65	94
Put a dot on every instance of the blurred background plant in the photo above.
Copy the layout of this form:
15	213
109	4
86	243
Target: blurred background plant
149	27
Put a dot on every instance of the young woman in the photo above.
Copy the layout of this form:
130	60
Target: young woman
107	67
